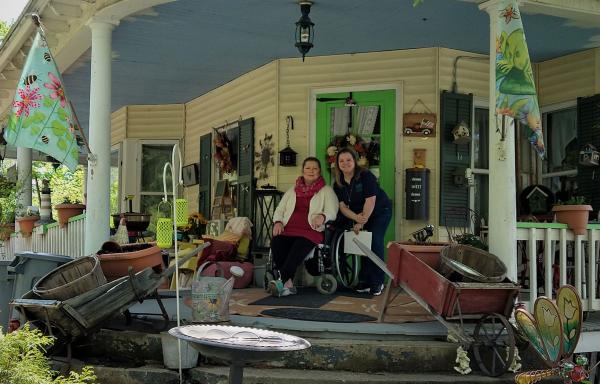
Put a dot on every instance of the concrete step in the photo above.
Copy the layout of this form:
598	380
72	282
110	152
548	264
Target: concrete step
219	375
325	354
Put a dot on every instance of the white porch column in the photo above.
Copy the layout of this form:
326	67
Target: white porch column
98	175
503	190
24	180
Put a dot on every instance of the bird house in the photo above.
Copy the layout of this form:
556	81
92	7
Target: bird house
588	155
287	157
461	133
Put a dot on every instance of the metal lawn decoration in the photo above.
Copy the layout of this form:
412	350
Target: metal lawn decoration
42	117
553	329
515	87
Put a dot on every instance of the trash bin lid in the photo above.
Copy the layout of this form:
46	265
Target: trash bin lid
44	256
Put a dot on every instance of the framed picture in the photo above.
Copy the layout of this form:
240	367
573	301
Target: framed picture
190	175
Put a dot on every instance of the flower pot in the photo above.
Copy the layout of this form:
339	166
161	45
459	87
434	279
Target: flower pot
6	230
66	211
575	216
26	224
115	262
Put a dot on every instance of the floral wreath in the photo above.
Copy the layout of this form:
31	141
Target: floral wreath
350	140
223	152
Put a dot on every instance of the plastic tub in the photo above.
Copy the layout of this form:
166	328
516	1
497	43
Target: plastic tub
189	354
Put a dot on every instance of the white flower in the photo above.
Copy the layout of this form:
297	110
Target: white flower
331	150
351	139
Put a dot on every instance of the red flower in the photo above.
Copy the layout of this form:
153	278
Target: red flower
28	100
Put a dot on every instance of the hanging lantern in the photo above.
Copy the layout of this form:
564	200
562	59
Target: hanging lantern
287	156
305	32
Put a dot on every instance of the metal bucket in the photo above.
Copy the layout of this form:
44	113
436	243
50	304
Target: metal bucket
472	264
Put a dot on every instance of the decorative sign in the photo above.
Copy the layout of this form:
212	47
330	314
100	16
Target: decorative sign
419	124
190	175
417	194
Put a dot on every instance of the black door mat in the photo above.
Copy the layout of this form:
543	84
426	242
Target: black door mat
307	297
310	314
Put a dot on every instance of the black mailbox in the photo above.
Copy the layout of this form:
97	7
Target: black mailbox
417	194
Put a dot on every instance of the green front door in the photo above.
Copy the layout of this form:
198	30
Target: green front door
371	118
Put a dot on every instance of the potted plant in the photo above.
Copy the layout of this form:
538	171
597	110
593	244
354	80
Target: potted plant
27	222
68	209
573	212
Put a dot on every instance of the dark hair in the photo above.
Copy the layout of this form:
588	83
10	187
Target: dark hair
312	158
336	170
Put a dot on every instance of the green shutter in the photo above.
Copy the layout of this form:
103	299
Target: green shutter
205	171
245	167
588	132
454	109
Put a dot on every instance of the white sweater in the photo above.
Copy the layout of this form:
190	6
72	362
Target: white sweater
324	202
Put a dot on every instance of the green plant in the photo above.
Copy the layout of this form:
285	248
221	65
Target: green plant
23	360
574	200
472	240
70	200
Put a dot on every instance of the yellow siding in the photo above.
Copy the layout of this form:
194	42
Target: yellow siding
156	121
415	70
118	122
568	77
253	94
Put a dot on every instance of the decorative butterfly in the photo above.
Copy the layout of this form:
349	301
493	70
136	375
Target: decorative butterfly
509	13
554	331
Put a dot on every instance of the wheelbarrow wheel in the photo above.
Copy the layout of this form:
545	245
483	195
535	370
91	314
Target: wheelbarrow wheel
494	345
326	284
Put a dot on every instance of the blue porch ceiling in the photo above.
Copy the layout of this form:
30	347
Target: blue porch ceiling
175	52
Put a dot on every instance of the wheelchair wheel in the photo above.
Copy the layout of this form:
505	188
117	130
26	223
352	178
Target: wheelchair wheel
326	284
346	265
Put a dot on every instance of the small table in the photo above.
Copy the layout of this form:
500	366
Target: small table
238	345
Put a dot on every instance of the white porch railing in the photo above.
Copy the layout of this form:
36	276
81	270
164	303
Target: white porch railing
550	255
50	238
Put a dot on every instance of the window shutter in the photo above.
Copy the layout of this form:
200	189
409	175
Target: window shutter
245	167
588	132
205	171
454	108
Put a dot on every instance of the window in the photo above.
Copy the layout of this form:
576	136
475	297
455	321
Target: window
480	162
560	166
153	157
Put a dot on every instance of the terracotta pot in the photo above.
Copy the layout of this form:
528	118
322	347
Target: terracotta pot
116	264
6	230
66	211
575	216
26	224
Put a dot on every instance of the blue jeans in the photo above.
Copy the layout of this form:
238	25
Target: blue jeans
370	273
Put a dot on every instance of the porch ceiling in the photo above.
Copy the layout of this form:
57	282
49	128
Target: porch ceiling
174	52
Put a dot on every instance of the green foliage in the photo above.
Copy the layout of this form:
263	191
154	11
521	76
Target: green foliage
4	27
574	200
23	360
472	240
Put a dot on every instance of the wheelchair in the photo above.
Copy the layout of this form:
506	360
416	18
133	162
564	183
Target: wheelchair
328	263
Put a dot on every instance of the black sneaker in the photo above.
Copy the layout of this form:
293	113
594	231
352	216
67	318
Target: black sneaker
362	288
376	290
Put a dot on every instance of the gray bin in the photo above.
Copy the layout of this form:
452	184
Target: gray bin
6	288
29	267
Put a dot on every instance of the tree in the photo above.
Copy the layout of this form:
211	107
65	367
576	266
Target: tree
4	27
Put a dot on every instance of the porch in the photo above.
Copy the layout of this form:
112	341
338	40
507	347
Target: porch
561	256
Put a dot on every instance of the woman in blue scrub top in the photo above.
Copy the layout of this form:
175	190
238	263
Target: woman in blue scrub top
366	206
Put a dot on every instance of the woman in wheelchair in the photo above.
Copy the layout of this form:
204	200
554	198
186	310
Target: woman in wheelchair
299	224
364	205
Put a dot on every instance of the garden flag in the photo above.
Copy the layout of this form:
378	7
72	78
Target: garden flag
515	88
41	116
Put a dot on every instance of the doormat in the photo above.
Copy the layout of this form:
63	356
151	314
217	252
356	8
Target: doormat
307	297
310	314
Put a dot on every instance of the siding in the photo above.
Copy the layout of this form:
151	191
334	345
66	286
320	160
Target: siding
415	70
118	123
155	121
253	94
568	77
